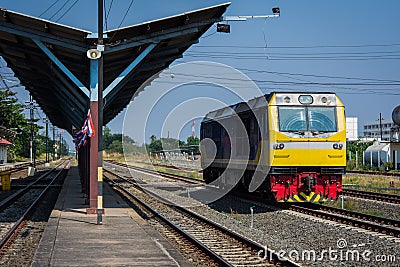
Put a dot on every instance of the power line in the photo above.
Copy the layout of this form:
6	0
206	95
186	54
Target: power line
107	14
47	9
67	11
219	77
58	11
122	21
298	47
339	58
293	54
247	70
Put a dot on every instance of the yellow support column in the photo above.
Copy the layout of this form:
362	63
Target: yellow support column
5	180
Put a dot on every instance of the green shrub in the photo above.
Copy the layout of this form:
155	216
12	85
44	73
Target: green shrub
388	166
351	164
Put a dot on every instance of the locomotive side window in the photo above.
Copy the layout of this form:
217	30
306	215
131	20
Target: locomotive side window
322	119
292	119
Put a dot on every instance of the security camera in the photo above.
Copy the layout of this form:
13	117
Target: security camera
276	10
93	54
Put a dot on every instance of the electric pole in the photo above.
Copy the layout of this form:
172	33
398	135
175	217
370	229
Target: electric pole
31	106
53	128
46	120
380	125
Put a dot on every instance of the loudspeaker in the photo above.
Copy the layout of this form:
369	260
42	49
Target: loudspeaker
93	54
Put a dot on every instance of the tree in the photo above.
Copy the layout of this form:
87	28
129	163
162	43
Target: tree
153	138
155	146
193	143
358	146
12	117
113	142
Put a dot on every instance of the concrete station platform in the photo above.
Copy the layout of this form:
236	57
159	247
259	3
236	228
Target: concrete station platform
72	238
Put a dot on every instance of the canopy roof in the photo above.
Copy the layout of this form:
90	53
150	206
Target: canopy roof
64	103
4	132
4	142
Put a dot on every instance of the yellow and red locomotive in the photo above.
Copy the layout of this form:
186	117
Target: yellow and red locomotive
291	147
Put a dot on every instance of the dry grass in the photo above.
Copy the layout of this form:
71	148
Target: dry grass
378	181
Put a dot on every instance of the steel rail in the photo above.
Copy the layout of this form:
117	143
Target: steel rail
6	202
357	219
370	222
372	195
374	173
20	166
247	242
163	174
20	222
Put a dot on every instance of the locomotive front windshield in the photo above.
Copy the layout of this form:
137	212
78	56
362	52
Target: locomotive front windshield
301	119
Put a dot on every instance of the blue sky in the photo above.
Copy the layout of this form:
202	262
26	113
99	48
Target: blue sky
351	47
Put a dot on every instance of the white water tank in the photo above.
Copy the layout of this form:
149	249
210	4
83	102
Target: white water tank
396	115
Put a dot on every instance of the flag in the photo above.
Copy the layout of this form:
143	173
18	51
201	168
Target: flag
87	131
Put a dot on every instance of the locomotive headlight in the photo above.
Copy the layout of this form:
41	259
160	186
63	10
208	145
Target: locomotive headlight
306	99
324	99
286	99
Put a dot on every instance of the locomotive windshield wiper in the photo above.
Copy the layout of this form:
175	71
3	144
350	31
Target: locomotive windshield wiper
320	132
297	132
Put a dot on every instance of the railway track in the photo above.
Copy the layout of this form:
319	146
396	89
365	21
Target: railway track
163	174
223	246
16	210
21	166
365	221
372	195
375	173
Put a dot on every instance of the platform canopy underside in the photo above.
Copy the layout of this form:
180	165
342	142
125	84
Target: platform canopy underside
65	103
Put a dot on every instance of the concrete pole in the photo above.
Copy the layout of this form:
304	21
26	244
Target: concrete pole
46	120
356	159
395	160
363	158
379	159
370	154
53	128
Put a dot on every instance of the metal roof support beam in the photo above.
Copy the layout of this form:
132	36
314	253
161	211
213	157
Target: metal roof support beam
154	37
42	36
72	90
69	114
70	100
118	83
63	68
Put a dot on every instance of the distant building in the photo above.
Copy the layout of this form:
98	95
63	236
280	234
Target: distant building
380	153
372	130
3	150
351	128
4	132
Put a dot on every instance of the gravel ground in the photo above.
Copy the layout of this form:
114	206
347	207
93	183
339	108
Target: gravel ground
374	207
296	235
23	248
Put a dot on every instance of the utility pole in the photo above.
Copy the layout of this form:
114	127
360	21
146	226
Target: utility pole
31	106
380	125
46	120
59	146
53	128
